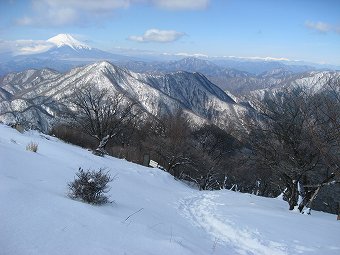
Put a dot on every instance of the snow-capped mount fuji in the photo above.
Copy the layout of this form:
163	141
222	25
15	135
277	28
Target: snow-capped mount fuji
62	40
66	48
35	95
65	52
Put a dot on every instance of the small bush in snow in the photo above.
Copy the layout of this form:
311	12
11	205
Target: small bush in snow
32	146
90	186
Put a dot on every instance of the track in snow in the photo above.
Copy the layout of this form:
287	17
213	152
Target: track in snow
202	211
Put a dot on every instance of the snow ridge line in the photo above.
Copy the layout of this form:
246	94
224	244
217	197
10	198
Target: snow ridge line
202	211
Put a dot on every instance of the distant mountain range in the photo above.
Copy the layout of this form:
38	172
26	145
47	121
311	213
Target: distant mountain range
233	80
237	75
34	95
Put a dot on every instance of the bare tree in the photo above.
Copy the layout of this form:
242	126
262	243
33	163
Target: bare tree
326	112
282	141
294	137
170	142
215	149
215	141
325	129
182	155
101	114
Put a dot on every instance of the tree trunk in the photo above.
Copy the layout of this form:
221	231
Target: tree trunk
307	197
291	193
310	202
100	151
312	193
293	198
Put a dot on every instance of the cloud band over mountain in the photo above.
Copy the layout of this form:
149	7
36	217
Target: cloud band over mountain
156	35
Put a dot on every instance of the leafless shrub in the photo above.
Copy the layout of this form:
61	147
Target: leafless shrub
90	186
32	146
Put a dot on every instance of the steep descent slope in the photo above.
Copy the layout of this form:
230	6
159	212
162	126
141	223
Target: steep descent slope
151	213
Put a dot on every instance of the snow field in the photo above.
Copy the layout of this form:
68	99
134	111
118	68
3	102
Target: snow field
151	213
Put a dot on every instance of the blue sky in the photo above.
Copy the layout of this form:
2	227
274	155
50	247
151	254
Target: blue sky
296	30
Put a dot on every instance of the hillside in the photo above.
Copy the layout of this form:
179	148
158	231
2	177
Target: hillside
166	216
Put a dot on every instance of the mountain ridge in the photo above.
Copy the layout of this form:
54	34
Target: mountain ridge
158	94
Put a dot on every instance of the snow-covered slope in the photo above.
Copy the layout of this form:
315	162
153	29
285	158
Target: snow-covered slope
316	81
166	216
312	82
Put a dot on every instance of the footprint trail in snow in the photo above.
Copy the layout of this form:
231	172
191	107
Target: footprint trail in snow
202	211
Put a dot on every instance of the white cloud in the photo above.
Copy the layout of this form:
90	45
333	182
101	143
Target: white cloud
259	58
156	35
323	27
196	55
318	26
87	5
182	4
27	47
81	12
54	17
70	12
24	47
